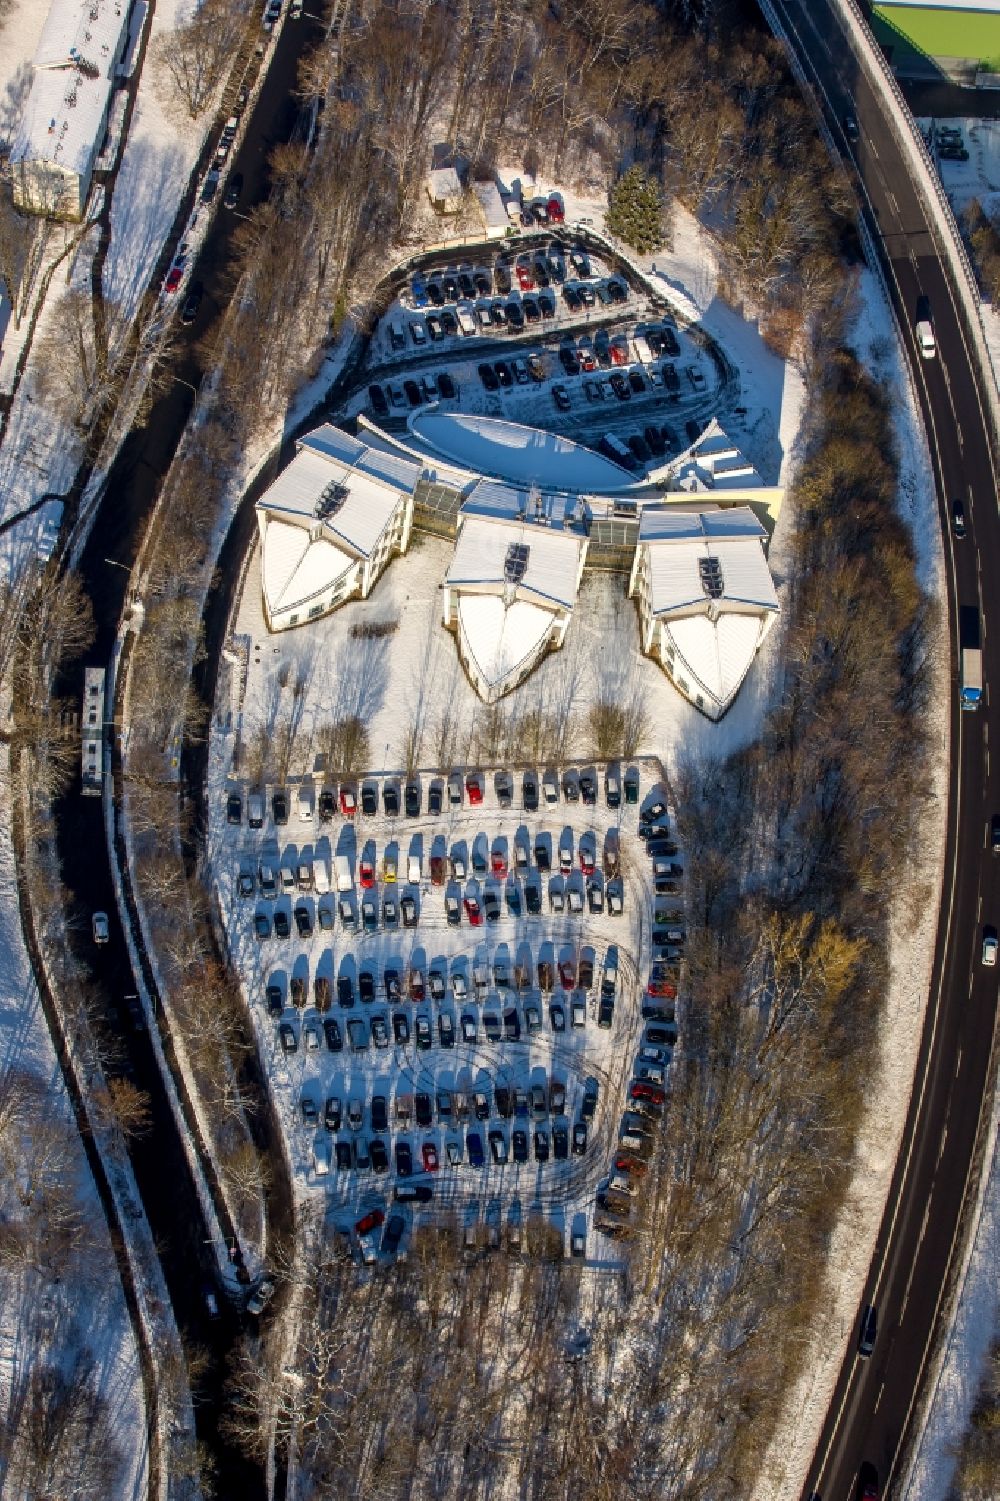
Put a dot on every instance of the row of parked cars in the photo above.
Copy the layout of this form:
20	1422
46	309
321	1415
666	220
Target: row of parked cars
646	1097
453	791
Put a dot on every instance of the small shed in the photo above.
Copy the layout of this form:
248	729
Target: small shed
444	189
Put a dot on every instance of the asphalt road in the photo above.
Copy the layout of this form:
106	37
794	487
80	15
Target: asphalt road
874	1399
161	1167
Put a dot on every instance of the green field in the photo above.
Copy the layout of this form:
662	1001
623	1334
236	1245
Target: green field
941	33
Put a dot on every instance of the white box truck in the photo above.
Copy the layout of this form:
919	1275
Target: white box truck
925	339
342	871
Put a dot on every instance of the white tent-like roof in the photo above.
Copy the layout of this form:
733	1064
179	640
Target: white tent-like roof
339	484
552	570
679	541
295	568
518	454
718	653
500	636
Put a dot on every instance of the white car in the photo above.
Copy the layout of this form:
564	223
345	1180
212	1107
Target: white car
990	945
459	986
99	923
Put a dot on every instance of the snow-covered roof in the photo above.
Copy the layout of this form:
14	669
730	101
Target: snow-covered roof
345	491
500	637
490	497
73	67
492	205
715	463
483	552
444	183
521	455
703	558
718	653
295	568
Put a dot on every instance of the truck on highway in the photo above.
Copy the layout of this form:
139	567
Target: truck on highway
971	655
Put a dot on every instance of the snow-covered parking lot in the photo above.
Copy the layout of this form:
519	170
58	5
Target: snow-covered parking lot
487	1031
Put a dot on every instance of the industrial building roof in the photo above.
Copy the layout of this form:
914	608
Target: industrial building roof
483	559
706	556
73	66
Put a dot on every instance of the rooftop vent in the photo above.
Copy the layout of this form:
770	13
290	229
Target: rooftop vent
516	562
711	576
331	499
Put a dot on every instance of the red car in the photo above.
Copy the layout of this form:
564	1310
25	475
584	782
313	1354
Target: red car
366	873
174	278
567	973
370	1222
437	870
474	789
659	985
618	353
587	864
498	863
430	1156
525	280
416	984
348	802
473	911
556	211
641	1090
588	361
626	1163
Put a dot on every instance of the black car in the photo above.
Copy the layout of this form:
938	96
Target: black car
282	925
579	1139
334	1041
958	518
504	1100
332	1114
543	858
541	1144
491	905
411	800
639	449
636	381
670	344
491	1026
393	1234
369	799
345	991
560	1143
620	386
483	282
435	798
540	271
590	1092
423	1108
435	294
869	1331
366	985
515	316
400	1029
466	284
275	1000
547	305
390	799
446	385
380	1032
345	1159
588	788
605	1013
327	805
404	1159
511	1025
533	898
303	921
529	792
561	398
512	892
519	1145
233	191
234	808
377	401
488	377
503	373
380	1114
449	282
569	359
412	390
414	1193
654	440
192	302
379	1156
279	807
571	297
617	290
449	323
501	278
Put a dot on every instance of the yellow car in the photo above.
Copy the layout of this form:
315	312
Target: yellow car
389	864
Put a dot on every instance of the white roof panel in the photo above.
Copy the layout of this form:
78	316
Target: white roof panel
717	653
499	637
521	455
295	569
481	552
374	483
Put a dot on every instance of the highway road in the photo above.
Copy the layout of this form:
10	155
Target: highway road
873	1405
161	1166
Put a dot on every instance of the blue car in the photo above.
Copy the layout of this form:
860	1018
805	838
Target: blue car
474	1147
419	289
